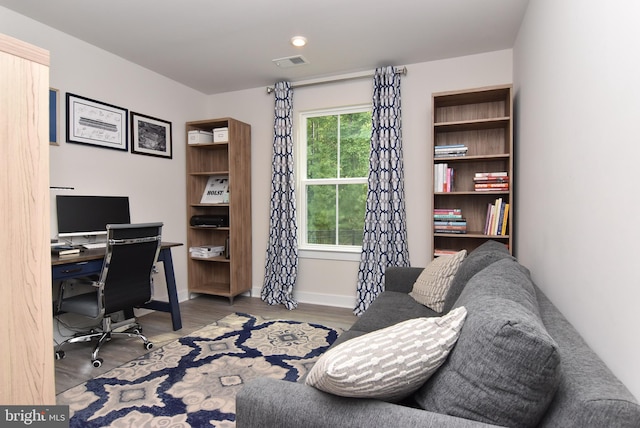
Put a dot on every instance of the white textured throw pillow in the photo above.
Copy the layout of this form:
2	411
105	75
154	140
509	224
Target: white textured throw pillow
433	284
391	363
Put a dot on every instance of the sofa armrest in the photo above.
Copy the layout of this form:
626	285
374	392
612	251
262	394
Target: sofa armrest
401	279
271	403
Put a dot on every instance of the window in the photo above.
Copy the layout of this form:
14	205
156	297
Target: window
333	166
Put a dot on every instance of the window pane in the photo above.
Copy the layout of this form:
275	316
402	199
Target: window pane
321	214
352	203
355	134
322	147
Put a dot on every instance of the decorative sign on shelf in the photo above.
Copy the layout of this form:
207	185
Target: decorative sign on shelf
216	191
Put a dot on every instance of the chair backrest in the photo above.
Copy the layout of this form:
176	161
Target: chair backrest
131	254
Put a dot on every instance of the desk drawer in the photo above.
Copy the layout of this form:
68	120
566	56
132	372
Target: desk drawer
74	270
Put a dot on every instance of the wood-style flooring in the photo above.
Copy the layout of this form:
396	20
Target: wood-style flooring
76	367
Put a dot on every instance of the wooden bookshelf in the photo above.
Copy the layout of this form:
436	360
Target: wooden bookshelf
481	119
220	275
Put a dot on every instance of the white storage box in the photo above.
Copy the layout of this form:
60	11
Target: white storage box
220	135
200	137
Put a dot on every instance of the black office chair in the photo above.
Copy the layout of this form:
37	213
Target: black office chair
124	283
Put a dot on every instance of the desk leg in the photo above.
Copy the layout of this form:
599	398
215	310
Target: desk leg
173	305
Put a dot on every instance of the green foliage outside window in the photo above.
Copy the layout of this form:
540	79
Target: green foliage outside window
337	164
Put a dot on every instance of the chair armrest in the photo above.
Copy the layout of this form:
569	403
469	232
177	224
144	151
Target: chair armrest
401	279
271	403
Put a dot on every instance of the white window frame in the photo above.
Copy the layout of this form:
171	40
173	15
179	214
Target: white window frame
321	251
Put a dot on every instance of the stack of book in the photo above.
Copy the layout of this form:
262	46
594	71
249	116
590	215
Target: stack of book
451	150
447	220
206	251
442	178
497	218
491	181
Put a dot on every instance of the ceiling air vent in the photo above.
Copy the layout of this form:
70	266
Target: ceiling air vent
290	61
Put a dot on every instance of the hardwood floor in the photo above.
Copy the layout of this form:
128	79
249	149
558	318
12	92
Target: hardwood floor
76	367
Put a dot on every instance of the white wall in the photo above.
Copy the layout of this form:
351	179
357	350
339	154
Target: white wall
576	69
155	186
334	282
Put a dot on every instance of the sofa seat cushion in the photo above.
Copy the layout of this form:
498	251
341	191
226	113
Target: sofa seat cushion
478	259
432	286
389	308
505	368
391	363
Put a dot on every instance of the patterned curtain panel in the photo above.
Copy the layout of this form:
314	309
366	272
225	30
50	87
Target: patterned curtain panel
385	231
281	268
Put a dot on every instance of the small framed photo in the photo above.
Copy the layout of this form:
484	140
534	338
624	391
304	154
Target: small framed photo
54	117
151	136
96	123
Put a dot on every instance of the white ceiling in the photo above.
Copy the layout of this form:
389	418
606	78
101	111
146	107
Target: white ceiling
218	46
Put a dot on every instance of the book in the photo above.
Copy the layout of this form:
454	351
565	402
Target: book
447	211
490	179
504	221
488	219
496	219
216	191
500	186
447	217
64	250
499	221
492	174
462	222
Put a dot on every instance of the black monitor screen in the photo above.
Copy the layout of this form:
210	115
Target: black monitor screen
89	215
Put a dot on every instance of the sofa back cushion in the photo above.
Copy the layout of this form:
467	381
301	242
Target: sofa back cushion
505	367
478	259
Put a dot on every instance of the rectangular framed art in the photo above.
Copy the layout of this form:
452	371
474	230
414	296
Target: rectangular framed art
54	117
96	123
151	136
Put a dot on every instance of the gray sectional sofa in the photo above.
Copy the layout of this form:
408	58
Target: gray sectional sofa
517	362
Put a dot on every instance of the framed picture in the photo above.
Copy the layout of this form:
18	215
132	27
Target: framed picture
150	136
96	123
54	117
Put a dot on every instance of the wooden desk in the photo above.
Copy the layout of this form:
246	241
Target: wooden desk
89	262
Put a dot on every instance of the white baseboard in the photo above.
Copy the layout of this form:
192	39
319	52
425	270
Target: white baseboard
338	301
335	300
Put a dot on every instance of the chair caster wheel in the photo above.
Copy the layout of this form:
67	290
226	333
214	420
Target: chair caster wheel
59	355
97	362
148	345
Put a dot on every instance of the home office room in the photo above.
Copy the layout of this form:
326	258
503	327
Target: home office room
547	59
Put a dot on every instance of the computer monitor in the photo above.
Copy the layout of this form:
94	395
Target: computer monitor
89	215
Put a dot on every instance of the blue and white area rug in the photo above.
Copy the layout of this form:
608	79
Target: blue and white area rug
193	382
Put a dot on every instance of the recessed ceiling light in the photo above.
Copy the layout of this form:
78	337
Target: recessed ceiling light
298	41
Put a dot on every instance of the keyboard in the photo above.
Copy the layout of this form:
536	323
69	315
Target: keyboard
94	245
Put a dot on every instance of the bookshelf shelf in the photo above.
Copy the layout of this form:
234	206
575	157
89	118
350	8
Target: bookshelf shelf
481	121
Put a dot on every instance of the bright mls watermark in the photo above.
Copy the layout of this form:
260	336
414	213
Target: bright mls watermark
34	416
